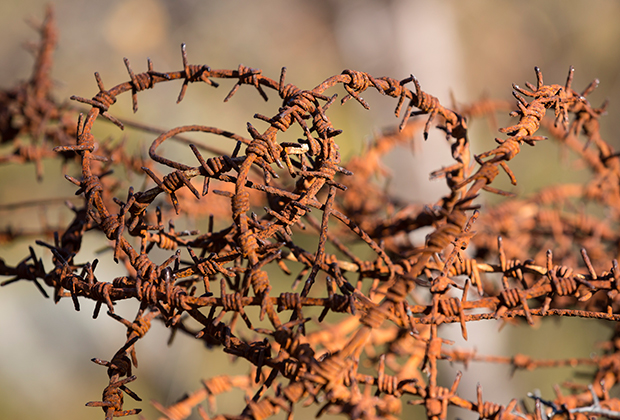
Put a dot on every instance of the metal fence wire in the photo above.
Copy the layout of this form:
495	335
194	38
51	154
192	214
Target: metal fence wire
281	187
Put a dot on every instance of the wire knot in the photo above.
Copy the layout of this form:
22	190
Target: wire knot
240	203
248	243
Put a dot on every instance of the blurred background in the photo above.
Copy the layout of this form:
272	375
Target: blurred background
465	50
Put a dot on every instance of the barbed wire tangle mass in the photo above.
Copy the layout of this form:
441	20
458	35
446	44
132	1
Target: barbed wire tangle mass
395	301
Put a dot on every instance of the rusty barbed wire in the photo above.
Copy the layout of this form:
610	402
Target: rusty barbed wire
31	121
403	293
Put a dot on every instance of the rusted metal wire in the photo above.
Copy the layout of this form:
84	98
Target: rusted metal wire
212	277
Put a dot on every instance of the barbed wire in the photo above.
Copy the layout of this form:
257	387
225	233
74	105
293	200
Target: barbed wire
531	242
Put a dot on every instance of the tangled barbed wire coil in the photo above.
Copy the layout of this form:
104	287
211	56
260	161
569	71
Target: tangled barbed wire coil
211	278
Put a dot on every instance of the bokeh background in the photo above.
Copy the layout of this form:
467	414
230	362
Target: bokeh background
462	49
